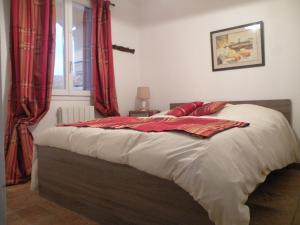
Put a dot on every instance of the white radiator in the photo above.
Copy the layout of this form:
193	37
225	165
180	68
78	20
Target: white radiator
73	114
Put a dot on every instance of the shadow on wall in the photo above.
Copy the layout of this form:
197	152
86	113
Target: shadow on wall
160	11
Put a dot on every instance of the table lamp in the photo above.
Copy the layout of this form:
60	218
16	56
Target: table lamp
143	94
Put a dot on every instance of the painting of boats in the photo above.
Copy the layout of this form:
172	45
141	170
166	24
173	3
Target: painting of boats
238	47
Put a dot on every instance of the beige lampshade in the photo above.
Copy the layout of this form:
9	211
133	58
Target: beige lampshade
143	93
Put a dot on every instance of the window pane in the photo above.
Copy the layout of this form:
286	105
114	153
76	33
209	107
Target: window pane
81	41
59	73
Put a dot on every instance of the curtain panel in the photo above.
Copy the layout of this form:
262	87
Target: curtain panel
32	66
104	90
87	48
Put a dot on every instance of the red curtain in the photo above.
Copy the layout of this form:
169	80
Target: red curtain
32	65
104	91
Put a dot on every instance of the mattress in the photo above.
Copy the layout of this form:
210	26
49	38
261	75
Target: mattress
219	173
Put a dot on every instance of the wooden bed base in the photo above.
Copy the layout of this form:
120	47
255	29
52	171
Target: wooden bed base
114	194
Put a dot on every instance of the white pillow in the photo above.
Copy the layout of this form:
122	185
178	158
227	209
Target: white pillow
162	114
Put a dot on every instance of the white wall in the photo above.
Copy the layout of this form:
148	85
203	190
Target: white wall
125	32
176	58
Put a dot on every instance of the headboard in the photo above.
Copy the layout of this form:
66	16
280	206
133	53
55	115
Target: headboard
282	105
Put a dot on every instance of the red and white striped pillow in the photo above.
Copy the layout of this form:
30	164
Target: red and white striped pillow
184	109
208	108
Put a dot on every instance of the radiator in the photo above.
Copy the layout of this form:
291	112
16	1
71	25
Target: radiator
73	114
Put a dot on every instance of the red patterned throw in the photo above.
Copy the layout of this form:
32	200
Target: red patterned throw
184	109
200	127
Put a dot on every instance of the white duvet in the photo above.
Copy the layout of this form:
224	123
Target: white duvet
219	172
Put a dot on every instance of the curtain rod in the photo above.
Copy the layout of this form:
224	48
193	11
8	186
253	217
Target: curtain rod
123	49
112	4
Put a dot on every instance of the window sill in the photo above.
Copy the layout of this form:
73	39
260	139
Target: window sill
71	98
65	92
64	95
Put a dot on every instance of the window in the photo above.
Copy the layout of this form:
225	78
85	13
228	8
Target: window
73	65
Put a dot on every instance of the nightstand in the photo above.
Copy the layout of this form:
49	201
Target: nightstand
144	113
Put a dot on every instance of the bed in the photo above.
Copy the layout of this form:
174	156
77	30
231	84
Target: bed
113	193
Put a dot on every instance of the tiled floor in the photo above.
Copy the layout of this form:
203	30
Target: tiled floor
25	207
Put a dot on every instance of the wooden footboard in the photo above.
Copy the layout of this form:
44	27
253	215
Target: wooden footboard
114	194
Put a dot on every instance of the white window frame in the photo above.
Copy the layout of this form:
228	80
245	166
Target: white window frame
68	52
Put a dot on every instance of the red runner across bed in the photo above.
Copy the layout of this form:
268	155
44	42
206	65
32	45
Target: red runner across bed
200	127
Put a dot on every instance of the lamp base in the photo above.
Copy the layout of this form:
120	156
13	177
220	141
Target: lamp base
144	105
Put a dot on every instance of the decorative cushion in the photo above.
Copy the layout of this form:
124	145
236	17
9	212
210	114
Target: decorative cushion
184	109
208	108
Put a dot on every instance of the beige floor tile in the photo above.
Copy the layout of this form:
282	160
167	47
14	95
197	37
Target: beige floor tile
25	207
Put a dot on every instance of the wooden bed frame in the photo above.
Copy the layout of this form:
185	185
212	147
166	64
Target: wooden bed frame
115	194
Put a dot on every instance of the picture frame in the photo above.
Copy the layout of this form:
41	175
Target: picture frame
238	47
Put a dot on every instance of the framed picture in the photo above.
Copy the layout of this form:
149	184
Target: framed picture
238	47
